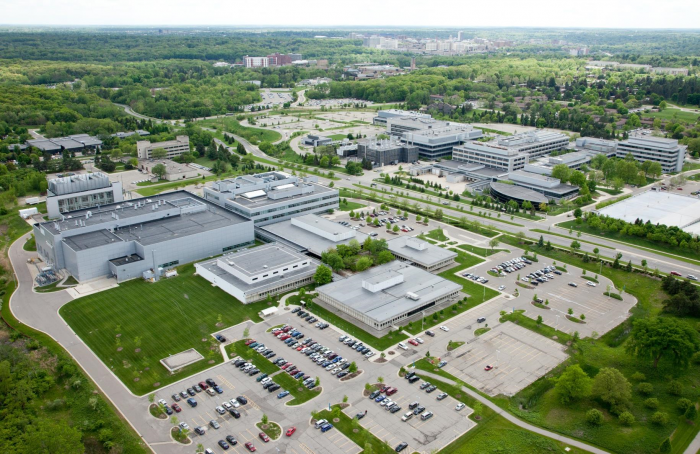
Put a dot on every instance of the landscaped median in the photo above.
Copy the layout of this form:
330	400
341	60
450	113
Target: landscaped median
301	393
351	428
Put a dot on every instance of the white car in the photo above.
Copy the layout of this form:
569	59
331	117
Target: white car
502	287
524	279
419	340
234	403
444	328
692	278
184	426
162	402
590	284
460	406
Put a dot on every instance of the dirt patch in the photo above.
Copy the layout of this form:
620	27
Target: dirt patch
119	335
211	361
351	376
343	405
204	339
381	360
137	350
136	379
219	325
120	349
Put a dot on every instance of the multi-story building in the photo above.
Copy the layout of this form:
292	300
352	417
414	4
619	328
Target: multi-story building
594	146
434	139
490	155
147	235
386	151
77	192
77	142
316	140
384	115
420	253
666	152
535	143
551	188
572	160
180	145
256	62
272	197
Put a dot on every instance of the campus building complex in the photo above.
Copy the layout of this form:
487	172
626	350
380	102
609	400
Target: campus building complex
254	274
147	235
272	196
544	166
490	155
667	152
386	151
389	294
535	143
384	115
81	191
180	145
434	139
420	253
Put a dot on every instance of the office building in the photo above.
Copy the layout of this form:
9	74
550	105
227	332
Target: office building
670	71
295	57
491	155
384	115
434	139
173	170
180	145
551	188
666	152
77	192
256	62
252	275
535	143
388	295
544	166
386	151
309	233
75	143
420	253
140	237
594	146
504	192
315	140
272	196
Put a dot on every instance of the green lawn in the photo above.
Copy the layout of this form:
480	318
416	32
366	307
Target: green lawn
161	319
566	225
250	133
378	343
609	191
632	240
437	235
673	115
30	244
337	136
351	206
239	348
301	393
484	252
363	437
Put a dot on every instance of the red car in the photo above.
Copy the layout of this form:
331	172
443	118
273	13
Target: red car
250	446
680	189
263	436
291	431
276	331
488	368
391	391
249	341
383	389
412	342
287	329
203	385
675	273
176	407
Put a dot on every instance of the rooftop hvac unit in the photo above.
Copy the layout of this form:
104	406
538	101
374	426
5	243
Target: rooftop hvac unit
412	296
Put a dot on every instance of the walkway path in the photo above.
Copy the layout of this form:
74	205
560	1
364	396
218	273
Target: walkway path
514	419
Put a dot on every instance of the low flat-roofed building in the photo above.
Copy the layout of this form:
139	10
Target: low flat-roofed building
180	145
535	143
315	140
254	274
384	115
81	191
173	170
551	188
491	155
434	138
666	152
544	166
671	71
310	233
420	253
594	146
386	151
389	294
164	231
272	196
77	142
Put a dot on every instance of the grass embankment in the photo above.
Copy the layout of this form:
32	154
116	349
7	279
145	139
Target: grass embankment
561	235
651	245
437	235
132	327
482	251
351	206
378	343
272	429
30	244
239	348
362	438
540	404
301	393
249	133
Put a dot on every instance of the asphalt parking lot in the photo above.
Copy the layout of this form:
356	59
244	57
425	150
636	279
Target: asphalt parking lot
518	356
421	436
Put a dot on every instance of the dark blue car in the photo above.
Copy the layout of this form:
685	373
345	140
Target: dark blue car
218	389
192	402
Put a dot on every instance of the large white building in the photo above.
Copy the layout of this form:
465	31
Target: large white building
180	145
434	138
491	155
535	143
77	192
666	152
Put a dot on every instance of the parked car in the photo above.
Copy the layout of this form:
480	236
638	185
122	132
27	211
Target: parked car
444	328
291	431
214	424
250	446
488	367
263	436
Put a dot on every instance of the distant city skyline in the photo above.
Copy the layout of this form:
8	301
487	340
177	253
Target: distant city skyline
322	14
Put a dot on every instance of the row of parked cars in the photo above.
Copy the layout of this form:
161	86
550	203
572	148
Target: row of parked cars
306	316
357	346
510	266
319	354
538	277
208	386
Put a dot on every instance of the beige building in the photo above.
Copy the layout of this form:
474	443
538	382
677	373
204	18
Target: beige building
173	148
173	170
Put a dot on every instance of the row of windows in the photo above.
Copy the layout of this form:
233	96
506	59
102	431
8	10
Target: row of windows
289	213
166	265
277	272
235	246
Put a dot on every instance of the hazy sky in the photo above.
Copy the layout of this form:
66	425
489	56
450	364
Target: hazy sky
327	13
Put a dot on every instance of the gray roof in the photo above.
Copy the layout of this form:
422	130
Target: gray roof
269	256
90	240
518	192
260	202
427	257
305	239
391	302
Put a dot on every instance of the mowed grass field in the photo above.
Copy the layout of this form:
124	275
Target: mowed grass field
160	319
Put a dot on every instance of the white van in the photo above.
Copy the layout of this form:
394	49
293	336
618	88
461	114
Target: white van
403	346
407	416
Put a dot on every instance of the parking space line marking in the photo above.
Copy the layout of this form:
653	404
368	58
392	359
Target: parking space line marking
225	382
306	449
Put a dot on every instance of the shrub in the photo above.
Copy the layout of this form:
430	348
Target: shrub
594	417
675	388
645	388
652	403
683	404
691	413
626	418
638	376
660	418
665	447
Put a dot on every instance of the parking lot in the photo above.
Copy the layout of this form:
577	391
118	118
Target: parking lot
518	357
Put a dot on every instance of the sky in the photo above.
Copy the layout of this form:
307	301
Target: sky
324	14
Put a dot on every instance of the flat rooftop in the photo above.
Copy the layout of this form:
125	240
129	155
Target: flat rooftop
658	207
428	256
263	200
390	302
306	240
254	261
518	192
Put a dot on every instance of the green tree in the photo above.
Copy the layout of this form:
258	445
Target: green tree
562	172
573	384
594	417
662	106
611	386
493	242
51	436
692	413
653	338
159	170
159	153
323	275
665	447
353	367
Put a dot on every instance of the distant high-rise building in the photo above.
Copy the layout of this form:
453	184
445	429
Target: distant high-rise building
256	62
460	36
413	63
